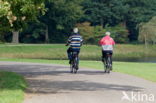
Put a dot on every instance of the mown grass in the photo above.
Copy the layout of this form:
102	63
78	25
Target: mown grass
143	70
88	52
12	87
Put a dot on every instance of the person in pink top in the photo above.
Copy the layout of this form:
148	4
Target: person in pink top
107	44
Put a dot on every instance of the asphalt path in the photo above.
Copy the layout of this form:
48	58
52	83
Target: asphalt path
49	83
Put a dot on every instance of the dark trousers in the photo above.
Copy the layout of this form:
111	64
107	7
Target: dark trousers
69	52
105	53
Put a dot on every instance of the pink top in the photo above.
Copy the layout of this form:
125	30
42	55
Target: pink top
107	40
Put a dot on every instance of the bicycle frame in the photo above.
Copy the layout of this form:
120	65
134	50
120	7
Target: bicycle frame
107	63
74	62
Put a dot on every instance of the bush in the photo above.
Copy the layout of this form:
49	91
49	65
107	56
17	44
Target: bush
92	34
119	33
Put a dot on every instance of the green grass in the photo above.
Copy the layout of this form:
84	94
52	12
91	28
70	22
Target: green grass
58	51
143	70
12	87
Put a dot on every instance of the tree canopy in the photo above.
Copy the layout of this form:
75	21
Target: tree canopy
147	32
19	12
38	21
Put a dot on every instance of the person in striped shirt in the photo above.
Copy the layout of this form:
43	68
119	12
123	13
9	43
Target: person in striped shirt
75	42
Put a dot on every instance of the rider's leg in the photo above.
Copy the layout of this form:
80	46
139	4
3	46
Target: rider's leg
103	56
111	60
69	52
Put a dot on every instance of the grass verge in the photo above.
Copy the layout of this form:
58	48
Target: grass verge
12	87
88	52
143	70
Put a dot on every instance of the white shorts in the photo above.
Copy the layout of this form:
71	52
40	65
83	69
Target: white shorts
107	47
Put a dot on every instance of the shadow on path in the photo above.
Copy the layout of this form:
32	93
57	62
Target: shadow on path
46	87
49	86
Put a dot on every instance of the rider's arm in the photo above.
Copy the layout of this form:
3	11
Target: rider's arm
69	40
81	41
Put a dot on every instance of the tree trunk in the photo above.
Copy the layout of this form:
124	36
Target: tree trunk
47	35
146	42
102	22
15	37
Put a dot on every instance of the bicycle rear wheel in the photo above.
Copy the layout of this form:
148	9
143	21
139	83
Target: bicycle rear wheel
107	64
104	64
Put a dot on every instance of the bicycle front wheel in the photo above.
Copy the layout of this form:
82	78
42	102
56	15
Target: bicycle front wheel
71	67
75	65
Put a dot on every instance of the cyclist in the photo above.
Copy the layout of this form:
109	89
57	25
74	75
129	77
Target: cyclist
75	42
107	46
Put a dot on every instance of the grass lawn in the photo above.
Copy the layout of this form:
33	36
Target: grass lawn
12	87
58	51
143	70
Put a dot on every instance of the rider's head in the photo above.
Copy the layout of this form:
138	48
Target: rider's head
75	30
108	33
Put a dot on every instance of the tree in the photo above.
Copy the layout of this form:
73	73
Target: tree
102	12
19	12
139	11
92	34
86	31
119	33
61	16
147	32
33	33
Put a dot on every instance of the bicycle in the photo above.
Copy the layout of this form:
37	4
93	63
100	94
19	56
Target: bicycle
107	63
74	63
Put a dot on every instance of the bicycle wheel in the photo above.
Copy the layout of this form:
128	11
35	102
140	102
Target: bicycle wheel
108	64
75	65
104	64
71	67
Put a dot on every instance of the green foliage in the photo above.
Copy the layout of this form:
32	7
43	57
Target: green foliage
34	33
4	8
104	12
92	34
86	31
139	11
147	31
18	12
62	15
119	33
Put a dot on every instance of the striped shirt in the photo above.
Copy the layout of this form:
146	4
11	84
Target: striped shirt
75	41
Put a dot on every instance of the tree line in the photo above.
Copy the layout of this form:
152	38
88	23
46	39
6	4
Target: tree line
51	21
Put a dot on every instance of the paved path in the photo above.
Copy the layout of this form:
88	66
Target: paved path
54	84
